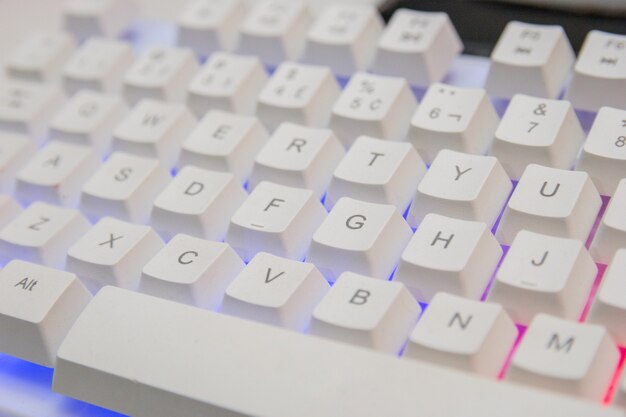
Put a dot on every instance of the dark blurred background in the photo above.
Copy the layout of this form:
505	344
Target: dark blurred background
480	23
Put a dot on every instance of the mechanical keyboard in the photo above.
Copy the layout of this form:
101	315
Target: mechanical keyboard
270	209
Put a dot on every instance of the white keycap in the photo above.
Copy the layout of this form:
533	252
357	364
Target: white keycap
366	238
537	130
460	119
463	334
154	129
418	46
227	82
197	202
15	151
298	93
276	291
530	59
451	255
40	56
191	271
604	155
38	306
160	73
207	26
277	219
611	233
98	64
41	234
224	142
373	105
378	171
600	73
9	209
544	274
88	18
367	312
565	356
28	107
464	186
609	306
56	174
275	30
298	156
103	361
89	118
113	252
344	38
124	187
552	201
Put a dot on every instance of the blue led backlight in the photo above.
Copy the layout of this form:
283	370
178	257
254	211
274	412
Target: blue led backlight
27	391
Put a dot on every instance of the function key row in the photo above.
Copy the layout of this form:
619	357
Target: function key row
417	46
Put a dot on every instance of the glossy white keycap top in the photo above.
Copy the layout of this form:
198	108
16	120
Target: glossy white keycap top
113	252
565	356
113	367
227	82
470	187
379	171
451	255
27	107
154	129
191	271
40	56
537	130
277	291
604	155
38	306
275	30
609	307
419	46
89	119
298	156
465	334
124	187
42	233
108	18
366	238
276	219
56	174
15	151
461	119
344	38
224	142
611	233
98	64
552	201
373	105
544	274
197	202
367	312
530	59
160	73
210	25
298	93
600	73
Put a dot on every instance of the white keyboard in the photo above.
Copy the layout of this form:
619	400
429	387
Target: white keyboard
264	209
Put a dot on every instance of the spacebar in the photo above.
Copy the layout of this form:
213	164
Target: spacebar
149	357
